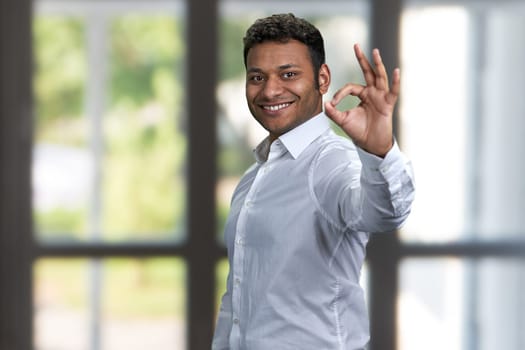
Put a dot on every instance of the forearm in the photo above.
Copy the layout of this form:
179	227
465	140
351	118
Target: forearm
387	190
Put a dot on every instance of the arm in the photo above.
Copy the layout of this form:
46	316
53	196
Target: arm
375	192
386	190
358	191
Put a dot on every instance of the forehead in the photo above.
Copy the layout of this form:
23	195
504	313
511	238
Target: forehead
270	54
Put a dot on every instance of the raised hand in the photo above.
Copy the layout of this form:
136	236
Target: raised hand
369	124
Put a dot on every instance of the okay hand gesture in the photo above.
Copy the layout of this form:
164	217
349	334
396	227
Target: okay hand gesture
369	124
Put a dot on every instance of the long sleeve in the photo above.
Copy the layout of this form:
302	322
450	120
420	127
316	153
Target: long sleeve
361	192
388	189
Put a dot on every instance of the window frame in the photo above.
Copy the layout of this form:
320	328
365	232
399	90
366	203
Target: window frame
200	249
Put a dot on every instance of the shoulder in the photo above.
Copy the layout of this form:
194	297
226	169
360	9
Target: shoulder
336	163
246	179
333	150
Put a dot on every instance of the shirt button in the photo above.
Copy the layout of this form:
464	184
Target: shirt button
236	320
248	204
239	241
237	281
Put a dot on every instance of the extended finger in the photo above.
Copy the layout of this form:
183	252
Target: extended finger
368	71
348	89
381	76
396	86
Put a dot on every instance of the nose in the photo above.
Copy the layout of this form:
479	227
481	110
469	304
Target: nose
272	87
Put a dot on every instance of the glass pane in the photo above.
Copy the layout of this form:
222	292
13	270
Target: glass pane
143	187
462	120
221	275
63	165
341	23
501	304
114	304
61	304
143	304
109	146
431	304
461	304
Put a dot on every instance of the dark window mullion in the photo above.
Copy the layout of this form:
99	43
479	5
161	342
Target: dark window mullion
384	250
468	249
15	174
202	250
101	250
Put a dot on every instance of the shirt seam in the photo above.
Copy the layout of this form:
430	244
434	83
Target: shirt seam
326	216
336	315
311	189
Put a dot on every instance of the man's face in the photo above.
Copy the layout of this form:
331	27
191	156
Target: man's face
280	85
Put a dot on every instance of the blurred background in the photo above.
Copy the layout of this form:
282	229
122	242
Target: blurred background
140	133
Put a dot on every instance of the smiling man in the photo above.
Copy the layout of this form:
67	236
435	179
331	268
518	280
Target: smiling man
282	89
301	216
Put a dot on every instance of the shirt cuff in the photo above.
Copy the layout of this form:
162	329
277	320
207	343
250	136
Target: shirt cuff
377	169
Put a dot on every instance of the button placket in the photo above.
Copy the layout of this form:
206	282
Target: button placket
239	252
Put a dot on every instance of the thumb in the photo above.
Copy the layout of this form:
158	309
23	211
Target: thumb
332	112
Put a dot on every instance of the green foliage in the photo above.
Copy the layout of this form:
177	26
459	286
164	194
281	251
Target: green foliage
143	47
154	287
221	273
231	52
64	223
143	193
234	159
144	186
60	67
143	180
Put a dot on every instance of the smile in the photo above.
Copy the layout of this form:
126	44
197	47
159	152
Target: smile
276	107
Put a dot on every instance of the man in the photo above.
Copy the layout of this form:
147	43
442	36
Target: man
301	215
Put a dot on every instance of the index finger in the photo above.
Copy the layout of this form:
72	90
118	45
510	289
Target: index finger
368	71
348	89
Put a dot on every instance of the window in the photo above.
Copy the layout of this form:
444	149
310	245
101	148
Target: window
461	124
109	173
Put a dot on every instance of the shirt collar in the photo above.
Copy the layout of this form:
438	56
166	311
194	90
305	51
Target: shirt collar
297	139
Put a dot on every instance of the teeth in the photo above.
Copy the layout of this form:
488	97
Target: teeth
277	107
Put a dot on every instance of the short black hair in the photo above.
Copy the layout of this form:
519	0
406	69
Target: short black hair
285	27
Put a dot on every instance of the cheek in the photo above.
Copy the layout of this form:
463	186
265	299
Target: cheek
305	89
250	93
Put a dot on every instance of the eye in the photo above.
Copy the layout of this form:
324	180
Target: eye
255	78
289	75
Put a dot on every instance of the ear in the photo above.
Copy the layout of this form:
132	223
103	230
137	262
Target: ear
324	78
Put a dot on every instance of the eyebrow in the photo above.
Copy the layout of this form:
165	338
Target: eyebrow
281	67
287	66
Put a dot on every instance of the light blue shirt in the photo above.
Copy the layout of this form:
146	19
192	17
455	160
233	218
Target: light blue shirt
296	235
